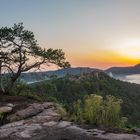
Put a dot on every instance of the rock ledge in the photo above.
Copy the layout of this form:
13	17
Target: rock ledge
42	121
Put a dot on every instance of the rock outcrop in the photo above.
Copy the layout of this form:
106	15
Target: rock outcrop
5	109
42	121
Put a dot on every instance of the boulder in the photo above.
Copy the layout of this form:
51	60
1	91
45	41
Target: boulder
30	111
10	105
5	109
136	130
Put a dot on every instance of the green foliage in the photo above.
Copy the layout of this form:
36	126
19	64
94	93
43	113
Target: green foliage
1	116
61	110
77	114
51	99
32	96
112	108
95	110
20	87
69	89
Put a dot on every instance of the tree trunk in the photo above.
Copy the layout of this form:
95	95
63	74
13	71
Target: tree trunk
10	84
1	84
1	92
9	88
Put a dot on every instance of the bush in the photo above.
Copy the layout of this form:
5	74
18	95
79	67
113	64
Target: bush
23	89
96	110
77	115
93	108
61	110
32	96
111	114
20	87
51	99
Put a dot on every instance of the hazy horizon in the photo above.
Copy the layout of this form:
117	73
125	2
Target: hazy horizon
92	33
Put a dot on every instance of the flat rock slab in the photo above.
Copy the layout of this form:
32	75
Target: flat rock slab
42	122
112	136
52	130
30	111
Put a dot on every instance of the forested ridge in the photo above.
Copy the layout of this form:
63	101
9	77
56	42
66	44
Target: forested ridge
70	88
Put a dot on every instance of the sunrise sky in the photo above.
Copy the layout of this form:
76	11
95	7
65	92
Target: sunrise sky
93	33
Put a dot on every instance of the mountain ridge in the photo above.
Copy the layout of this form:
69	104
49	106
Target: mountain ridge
39	76
129	70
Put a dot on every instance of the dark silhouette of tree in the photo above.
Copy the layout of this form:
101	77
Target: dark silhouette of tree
19	52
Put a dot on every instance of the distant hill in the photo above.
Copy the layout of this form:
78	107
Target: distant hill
124	70
39	76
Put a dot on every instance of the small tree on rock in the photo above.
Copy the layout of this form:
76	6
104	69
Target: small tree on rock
19	52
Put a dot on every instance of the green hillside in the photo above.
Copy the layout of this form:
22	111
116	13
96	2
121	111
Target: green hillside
68	89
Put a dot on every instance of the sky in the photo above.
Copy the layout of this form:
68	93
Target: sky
92	33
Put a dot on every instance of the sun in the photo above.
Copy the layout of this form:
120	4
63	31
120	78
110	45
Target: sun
134	42
131	49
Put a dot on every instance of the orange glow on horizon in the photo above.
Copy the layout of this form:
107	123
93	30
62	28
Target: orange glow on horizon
102	59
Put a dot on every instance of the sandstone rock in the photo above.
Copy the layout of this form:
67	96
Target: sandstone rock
47	105
112	136
95	131
136	130
55	131
42	122
5	109
30	111
10	105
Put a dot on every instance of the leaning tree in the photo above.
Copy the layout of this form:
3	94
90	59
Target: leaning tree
20	52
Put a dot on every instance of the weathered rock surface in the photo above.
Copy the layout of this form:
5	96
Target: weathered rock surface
5	109
26	113
42	122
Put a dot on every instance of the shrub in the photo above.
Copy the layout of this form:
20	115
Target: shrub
61	110
111	115
32	96
1	116
51	99
92	108
20	87
96	110
23	89
77	115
